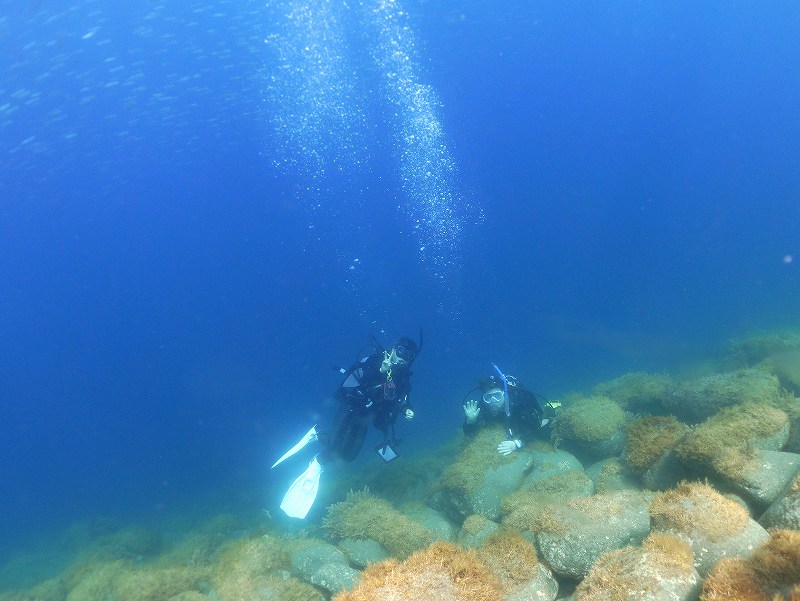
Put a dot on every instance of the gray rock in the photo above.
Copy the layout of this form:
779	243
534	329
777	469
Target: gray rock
611	475
474	538
498	482
712	525
762	482
666	473
363	551
707	553
307	561
545	464
335	577
542	587
774	442
700	399
434	521
590	527
602	449
785	510
632	574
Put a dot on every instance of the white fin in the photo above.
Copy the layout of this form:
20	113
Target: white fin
301	494
310	435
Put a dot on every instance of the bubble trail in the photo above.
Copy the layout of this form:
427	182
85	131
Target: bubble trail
315	109
428	170
330	60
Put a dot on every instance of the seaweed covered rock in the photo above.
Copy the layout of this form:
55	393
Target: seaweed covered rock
434	521
660	570
479	478
772	573
571	536
699	399
364	516
258	568
323	565
712	524
521	507
636	391
755	348
725	444
649	438
594	425
763	478
545	464
442	571
649	451
475	530
785	510
362	552
513	560
612	474
145	583
125	581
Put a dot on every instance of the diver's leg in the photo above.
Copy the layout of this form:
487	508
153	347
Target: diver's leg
348	438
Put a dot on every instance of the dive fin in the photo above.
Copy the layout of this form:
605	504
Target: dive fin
301	494
310	435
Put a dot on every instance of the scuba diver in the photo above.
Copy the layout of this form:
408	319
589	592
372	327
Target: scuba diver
505	401
374	392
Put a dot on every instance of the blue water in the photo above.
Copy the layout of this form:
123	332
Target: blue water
200	215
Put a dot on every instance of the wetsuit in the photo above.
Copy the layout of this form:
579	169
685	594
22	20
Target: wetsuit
367	396
526	415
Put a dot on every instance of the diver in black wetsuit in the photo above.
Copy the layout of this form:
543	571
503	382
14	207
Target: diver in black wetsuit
375	392
525	416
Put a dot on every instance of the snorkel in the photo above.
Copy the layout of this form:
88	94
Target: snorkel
509	436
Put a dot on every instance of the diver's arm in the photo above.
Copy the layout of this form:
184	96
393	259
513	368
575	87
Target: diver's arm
470	428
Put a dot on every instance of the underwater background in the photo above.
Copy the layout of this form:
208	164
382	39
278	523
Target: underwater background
206	206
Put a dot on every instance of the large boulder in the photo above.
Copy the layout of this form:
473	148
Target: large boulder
554	478
479	478
726	444
363	551
699	399
512	559
713	525
547	463
475	530
593	425
571	536
434	521
648	453
611	475
666	473
771	573
542	586
765	477
325	566
785	510
660	570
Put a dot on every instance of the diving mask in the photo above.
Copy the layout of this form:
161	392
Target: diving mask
494	399
404	353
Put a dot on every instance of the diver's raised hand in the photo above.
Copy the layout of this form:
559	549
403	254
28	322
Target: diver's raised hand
471	411
409	414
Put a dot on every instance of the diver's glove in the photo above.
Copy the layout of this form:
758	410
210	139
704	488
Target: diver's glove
409	414
471	411
509	446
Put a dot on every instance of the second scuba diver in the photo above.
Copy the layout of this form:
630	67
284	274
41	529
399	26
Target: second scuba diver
506	402
374	392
